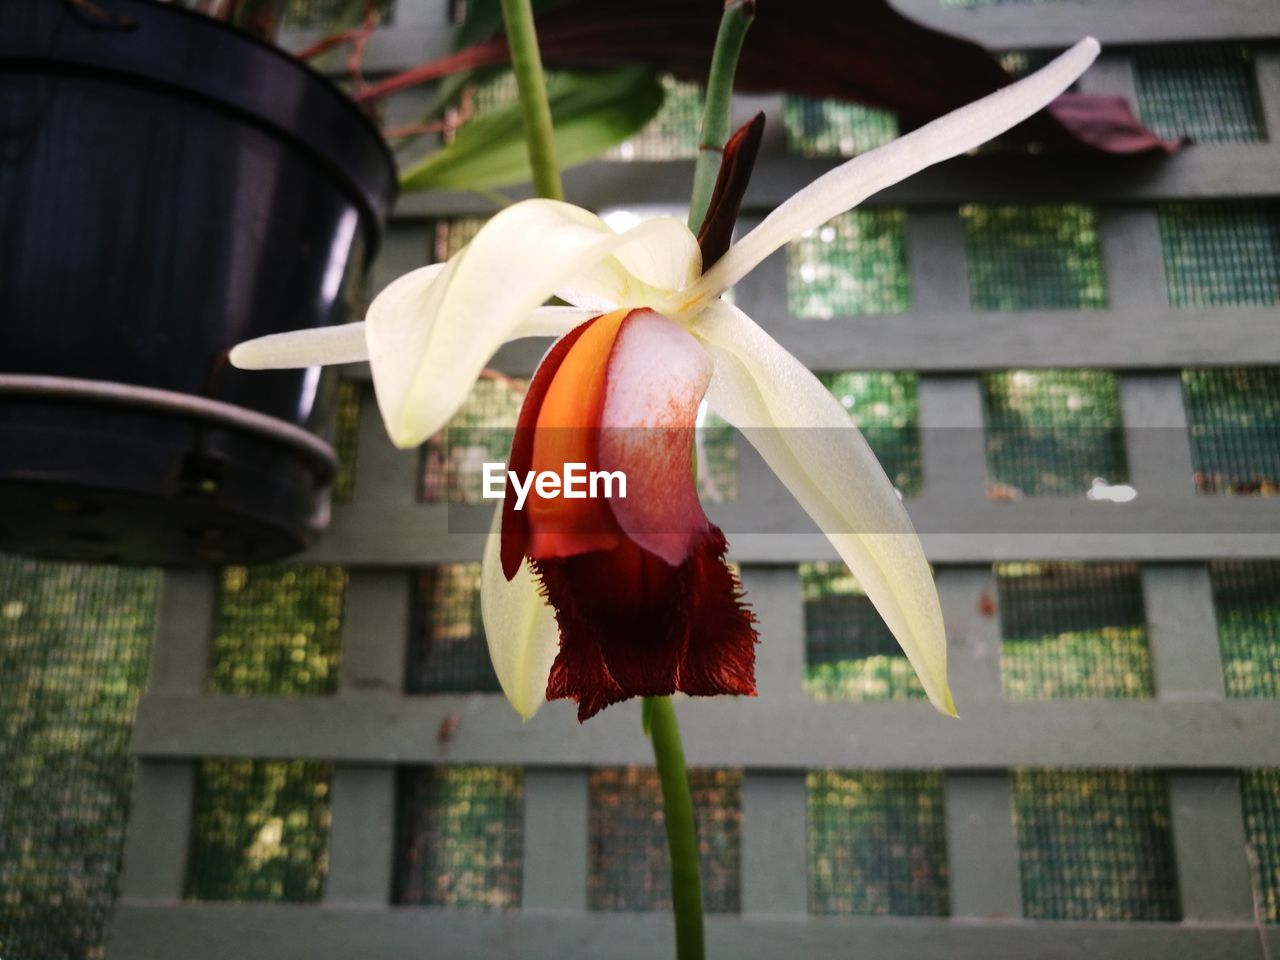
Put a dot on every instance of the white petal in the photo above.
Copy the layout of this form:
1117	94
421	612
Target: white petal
520	627
429	340
807	438
552	322
344	343
849	184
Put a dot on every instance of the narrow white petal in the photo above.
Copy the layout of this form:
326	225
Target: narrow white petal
520	627
429	340
552	322
808	440
849	184
344	343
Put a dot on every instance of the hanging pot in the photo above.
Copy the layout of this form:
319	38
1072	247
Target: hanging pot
168	188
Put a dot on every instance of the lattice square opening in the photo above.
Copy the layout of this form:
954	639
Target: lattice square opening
1207	91
1246	601
279	631
673	133
461	837
346	439
1221	253
1233	416
480	432
74	645
260	831
1052	433
1095	845
1260	796
1043	257
447	648
834	128
854	264
1072	631
629	865
849	652
885	406
877	843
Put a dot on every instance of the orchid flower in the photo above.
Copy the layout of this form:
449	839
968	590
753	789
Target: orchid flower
599	601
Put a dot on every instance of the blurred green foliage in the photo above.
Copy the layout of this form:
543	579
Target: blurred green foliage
260	831
1073	631
1051	432
849	652
834	128
1246	600
1043	257
74	646
629	864
854	264
1221	253
278	631
1095	845
877	843
1233	416
461	837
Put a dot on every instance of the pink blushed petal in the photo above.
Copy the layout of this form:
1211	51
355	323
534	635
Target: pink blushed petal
657	376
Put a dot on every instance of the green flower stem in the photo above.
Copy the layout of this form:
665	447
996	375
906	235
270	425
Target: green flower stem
526	64
682	837
717	111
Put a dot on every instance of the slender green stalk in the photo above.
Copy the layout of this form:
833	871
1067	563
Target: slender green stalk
716	113
526	64
682	837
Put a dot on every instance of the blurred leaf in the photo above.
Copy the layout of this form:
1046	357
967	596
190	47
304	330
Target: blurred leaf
590	111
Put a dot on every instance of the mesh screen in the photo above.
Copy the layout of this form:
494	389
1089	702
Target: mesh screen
849	652
461	837
833	128
877	843
480	432
1221	253
1043	257
1095	845
260	831
1052	432
1260	796
1206	91
333	14
673	133
886	408
1246	601
629	865
346	433
74	645
278	631
447	648
1072	631
854	264
1233	417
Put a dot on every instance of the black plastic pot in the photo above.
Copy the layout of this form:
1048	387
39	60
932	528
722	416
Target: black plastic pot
168	188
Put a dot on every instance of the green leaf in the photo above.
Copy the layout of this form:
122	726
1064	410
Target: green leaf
590	111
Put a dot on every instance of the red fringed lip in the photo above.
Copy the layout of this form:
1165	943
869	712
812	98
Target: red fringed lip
645	603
